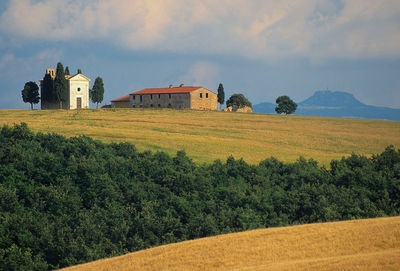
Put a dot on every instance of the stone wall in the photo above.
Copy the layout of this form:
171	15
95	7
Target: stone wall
203	99
173	100
120	104
235	108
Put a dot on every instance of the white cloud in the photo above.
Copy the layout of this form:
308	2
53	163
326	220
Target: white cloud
255	28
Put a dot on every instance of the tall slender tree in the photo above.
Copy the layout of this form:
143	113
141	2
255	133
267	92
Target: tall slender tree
30	93
60	85
221	95
67	71
79	71
47	89
97	93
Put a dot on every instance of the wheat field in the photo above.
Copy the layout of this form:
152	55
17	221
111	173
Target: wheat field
369	244
207	136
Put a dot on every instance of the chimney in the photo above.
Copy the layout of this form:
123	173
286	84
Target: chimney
170	86
181	85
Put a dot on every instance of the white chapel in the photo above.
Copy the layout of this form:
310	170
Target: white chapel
78	92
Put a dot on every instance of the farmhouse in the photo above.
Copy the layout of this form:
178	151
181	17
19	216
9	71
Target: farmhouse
122	102
180	97
78	92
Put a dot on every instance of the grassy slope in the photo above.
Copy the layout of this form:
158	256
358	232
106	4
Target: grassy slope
207	136
370	244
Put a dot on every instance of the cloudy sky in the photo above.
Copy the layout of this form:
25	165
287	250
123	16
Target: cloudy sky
261	48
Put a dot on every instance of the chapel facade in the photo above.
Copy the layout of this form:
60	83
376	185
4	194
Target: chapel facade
78	92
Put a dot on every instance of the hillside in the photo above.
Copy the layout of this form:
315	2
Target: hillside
335	104
66	201
206	136
371	244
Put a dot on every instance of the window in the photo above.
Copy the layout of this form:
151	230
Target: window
151	105
159	105
159	96
133	106
134	96
201	95
79	89
169	95
151	96
141	98
206	95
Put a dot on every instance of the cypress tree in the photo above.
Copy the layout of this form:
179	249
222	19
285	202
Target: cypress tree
60	85
97	93
221	95
47	91
67	71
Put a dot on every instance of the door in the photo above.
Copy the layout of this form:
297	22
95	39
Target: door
78	102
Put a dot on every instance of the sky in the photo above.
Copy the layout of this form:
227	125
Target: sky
261	48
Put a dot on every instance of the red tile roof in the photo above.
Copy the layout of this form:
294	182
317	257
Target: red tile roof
166	90
122	99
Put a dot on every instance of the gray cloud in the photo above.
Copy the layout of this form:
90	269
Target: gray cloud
258	28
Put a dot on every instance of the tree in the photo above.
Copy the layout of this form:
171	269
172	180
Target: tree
79	71
67	71
60	85
30	93
285	105
238	100
221	94
47	91
97	93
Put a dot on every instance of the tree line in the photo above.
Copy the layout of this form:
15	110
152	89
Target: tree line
65	201
55	90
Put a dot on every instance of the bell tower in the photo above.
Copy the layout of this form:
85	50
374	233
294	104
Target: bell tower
51	72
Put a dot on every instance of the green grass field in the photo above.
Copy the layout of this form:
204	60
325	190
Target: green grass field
206	136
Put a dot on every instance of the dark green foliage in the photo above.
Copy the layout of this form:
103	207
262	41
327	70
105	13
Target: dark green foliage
65	201
30	93
60	85
47	90
79	71
97	93
221	94
238	100
66	71
285	105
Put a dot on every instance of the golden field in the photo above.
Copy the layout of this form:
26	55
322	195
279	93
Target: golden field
370	244
206	136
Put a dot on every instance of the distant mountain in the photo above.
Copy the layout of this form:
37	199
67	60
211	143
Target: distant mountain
331	99
335	104
265	108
